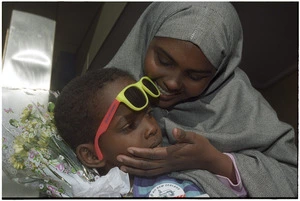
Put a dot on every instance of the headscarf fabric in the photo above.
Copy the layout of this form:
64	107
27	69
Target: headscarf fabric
230	113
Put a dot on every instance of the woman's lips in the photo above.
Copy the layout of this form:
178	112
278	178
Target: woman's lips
166	95
162	91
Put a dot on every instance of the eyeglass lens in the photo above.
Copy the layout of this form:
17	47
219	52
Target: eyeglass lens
135	96
150	86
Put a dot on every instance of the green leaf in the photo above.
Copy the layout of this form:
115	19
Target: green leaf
14	123
51	107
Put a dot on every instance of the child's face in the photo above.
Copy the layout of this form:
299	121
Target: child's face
127	128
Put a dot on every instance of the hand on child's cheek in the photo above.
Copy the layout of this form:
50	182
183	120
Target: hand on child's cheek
192	151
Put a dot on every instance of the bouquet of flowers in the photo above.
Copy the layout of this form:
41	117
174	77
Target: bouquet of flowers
35	155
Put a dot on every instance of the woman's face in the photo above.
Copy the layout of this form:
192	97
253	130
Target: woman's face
127	128
179	68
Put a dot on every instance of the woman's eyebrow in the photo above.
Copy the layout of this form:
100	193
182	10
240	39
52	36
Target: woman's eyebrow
202	71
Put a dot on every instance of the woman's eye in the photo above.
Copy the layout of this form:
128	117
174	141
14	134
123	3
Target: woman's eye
195	77
163	61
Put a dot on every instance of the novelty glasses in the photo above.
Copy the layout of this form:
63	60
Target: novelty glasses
135	97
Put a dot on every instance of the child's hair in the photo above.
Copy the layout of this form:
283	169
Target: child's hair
77	108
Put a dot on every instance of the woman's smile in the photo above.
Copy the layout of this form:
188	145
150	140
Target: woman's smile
165	93
168	98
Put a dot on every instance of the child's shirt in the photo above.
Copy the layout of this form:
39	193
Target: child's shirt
165	186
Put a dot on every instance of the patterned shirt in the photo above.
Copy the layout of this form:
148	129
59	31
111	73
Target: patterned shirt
165	186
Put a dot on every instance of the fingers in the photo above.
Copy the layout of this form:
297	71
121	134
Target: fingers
140	167
138	163
155	161
183	136
148	153
143	173
178	134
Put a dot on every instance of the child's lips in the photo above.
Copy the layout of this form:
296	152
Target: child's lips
156	144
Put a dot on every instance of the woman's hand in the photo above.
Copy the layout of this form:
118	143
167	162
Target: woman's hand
192	151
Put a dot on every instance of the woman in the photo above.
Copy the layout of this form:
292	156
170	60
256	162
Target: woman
193	51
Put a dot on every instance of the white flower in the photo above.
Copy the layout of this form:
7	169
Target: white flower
41	186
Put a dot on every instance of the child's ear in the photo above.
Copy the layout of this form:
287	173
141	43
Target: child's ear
87	156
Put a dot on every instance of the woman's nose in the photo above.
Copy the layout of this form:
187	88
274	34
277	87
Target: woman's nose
174	82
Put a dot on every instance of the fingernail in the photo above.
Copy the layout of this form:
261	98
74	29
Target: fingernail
120	159
176	133
130	151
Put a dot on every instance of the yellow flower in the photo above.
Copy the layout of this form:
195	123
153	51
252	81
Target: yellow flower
18	166
37	129
25	114
33	123
17	160
43	140
18	147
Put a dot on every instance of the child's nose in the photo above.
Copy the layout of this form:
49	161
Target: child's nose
150	128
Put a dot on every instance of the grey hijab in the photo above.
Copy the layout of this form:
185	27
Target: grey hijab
230	113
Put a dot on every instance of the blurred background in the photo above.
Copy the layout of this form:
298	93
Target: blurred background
88	34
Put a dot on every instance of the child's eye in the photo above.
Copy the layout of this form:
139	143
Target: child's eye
129	127
149	112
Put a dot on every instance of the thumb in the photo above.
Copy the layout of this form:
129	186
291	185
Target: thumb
182	136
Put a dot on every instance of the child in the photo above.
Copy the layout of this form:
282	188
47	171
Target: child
193	52
108	96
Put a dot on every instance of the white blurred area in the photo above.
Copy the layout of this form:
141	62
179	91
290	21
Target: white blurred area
28	53
27	65
27	69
